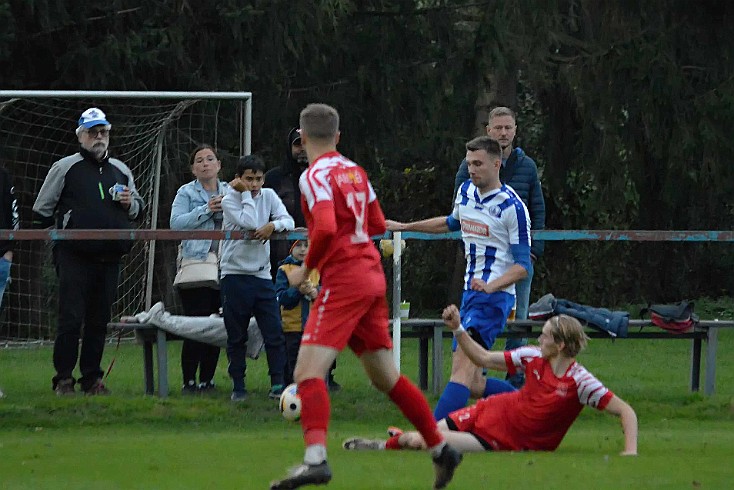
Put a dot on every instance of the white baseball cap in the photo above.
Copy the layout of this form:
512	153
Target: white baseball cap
93	117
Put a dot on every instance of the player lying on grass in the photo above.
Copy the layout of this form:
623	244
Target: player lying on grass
537	416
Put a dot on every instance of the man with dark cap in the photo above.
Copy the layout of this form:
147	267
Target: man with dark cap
284	181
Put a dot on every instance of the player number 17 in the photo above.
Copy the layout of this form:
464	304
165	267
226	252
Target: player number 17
357	202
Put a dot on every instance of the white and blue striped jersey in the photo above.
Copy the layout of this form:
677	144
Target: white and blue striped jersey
495	228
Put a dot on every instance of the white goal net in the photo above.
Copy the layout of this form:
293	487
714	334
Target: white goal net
153	133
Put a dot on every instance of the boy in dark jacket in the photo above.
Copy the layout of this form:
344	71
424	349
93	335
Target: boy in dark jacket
295	305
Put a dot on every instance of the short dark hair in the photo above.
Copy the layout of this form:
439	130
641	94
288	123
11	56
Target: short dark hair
485	143
250	162
204	146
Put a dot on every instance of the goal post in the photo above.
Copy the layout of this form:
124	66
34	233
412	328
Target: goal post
153	133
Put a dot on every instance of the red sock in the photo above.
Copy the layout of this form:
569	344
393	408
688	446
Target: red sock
314	410
393	443
414	406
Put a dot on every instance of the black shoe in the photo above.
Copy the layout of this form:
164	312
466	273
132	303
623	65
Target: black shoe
97	388
206	388
189	388
445	464
64	387
305	474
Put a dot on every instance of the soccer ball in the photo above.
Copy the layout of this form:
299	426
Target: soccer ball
290	403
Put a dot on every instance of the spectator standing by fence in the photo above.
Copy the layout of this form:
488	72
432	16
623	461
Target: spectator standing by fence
86	190
520	172
283	179
295	307
198	206
247	286
9	220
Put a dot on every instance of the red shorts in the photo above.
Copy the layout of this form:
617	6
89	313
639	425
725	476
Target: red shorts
486	420
342	316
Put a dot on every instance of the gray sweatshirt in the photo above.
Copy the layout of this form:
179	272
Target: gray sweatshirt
243	212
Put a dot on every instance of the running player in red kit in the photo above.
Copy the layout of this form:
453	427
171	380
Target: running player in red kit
342	212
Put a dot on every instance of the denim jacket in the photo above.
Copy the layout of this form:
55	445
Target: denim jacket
190	211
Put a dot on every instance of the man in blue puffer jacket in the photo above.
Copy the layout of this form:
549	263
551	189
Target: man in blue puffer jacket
519	172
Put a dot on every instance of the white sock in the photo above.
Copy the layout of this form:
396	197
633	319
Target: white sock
315	454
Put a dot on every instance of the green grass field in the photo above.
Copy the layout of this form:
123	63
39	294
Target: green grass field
129	440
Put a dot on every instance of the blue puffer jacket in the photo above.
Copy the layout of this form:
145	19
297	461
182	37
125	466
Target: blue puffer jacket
520	173
613	322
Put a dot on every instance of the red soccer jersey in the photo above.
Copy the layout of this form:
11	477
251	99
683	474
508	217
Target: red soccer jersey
537	416
342	212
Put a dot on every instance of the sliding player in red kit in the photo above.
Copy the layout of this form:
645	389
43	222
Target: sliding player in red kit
342	212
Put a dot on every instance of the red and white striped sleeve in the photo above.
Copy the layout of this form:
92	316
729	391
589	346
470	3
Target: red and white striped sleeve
517	359
590	390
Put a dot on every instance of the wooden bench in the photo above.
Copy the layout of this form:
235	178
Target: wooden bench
432	330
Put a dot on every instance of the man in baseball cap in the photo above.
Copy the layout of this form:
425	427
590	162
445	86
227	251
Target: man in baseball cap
81	192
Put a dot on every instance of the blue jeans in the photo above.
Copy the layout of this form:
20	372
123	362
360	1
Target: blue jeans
4	276
242	297
522	293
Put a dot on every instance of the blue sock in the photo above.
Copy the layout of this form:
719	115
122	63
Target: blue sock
495	386
453	398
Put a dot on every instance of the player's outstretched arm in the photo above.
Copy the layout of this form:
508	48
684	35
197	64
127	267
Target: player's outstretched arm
431	225
628	417
478	354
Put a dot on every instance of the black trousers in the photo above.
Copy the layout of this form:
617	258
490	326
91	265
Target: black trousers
292	344
87	290
198	355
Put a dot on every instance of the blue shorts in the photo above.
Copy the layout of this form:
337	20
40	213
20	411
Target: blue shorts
485	314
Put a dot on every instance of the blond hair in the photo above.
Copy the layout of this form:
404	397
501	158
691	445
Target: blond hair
320	122
568	330
501	111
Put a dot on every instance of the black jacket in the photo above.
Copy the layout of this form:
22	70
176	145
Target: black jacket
76	193
284	181
9	219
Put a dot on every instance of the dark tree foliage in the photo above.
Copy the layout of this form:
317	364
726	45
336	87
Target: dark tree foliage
627	107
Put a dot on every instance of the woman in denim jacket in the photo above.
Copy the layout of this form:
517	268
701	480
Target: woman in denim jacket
198	206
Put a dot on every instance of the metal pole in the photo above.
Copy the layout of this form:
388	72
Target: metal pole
248	125
154	222
396	289
709	383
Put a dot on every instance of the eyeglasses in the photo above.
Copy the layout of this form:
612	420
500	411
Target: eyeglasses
500	128
94	132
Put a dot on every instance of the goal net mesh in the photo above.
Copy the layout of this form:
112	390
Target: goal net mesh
146	134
